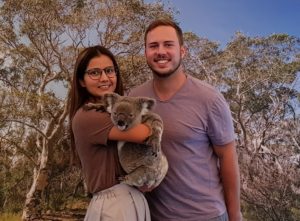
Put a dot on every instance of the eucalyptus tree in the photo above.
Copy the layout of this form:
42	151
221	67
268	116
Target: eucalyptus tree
202	58
41	39
260	80
259	77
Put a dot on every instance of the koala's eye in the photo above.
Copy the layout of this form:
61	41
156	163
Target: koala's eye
115	113
131	115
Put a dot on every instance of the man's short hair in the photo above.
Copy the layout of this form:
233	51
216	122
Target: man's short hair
165	22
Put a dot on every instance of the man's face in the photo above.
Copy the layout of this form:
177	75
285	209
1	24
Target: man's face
163	51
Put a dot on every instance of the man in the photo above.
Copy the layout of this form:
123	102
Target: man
202	183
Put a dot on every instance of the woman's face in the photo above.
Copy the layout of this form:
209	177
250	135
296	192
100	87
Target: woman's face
100	76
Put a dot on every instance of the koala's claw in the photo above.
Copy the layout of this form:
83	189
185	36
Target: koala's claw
154	145
121	178
87	107
98	107
154	154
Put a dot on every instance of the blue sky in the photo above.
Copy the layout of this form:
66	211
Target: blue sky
218	20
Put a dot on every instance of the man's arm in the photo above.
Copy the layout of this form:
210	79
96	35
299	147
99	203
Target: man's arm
230	177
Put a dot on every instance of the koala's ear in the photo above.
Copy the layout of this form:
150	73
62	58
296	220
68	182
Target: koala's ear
146	103
110	99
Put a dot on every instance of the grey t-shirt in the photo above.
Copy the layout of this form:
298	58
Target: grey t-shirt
196	117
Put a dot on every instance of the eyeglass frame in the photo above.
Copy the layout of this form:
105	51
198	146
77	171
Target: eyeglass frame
100	71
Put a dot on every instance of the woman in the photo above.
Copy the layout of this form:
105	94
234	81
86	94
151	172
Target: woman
94	140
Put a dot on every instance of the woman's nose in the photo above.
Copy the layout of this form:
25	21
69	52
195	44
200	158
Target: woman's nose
103	77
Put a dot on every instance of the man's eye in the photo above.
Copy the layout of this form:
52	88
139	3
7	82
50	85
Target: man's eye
152	46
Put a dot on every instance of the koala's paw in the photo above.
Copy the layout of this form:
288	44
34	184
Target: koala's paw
98	107
154	140
154	143
129	180
122	179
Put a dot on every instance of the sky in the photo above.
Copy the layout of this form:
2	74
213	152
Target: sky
219	20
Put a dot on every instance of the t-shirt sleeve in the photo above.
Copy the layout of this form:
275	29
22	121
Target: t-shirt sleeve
92	125
220	122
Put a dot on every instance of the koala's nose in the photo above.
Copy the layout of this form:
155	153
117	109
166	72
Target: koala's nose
121	123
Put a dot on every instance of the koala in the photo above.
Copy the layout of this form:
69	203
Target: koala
145	164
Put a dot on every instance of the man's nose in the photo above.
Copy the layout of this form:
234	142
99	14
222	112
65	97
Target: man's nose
161	49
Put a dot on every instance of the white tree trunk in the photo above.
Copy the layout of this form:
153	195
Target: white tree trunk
33	207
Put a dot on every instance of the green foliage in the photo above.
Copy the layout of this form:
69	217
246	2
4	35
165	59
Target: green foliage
41	39
259	75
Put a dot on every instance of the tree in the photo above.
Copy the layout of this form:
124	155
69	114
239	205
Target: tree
202	59
258	78
39	41
42	39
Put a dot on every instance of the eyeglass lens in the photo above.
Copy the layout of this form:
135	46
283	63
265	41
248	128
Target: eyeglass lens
96	73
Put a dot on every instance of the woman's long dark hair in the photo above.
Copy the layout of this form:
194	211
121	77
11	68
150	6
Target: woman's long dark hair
79	94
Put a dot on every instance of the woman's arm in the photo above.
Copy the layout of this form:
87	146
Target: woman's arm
137	134
98	127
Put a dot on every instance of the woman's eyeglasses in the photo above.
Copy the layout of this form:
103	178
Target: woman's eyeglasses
96	73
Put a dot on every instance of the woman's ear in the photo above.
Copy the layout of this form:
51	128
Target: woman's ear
82	83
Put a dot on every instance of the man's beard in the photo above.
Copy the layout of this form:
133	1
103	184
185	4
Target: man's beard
167	74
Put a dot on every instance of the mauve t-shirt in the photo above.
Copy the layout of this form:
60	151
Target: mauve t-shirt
195	118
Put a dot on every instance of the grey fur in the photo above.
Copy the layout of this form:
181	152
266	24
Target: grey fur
145	164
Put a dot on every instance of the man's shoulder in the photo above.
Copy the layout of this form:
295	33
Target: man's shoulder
202	87
141	90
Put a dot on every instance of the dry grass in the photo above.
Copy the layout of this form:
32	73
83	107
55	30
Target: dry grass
10	217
